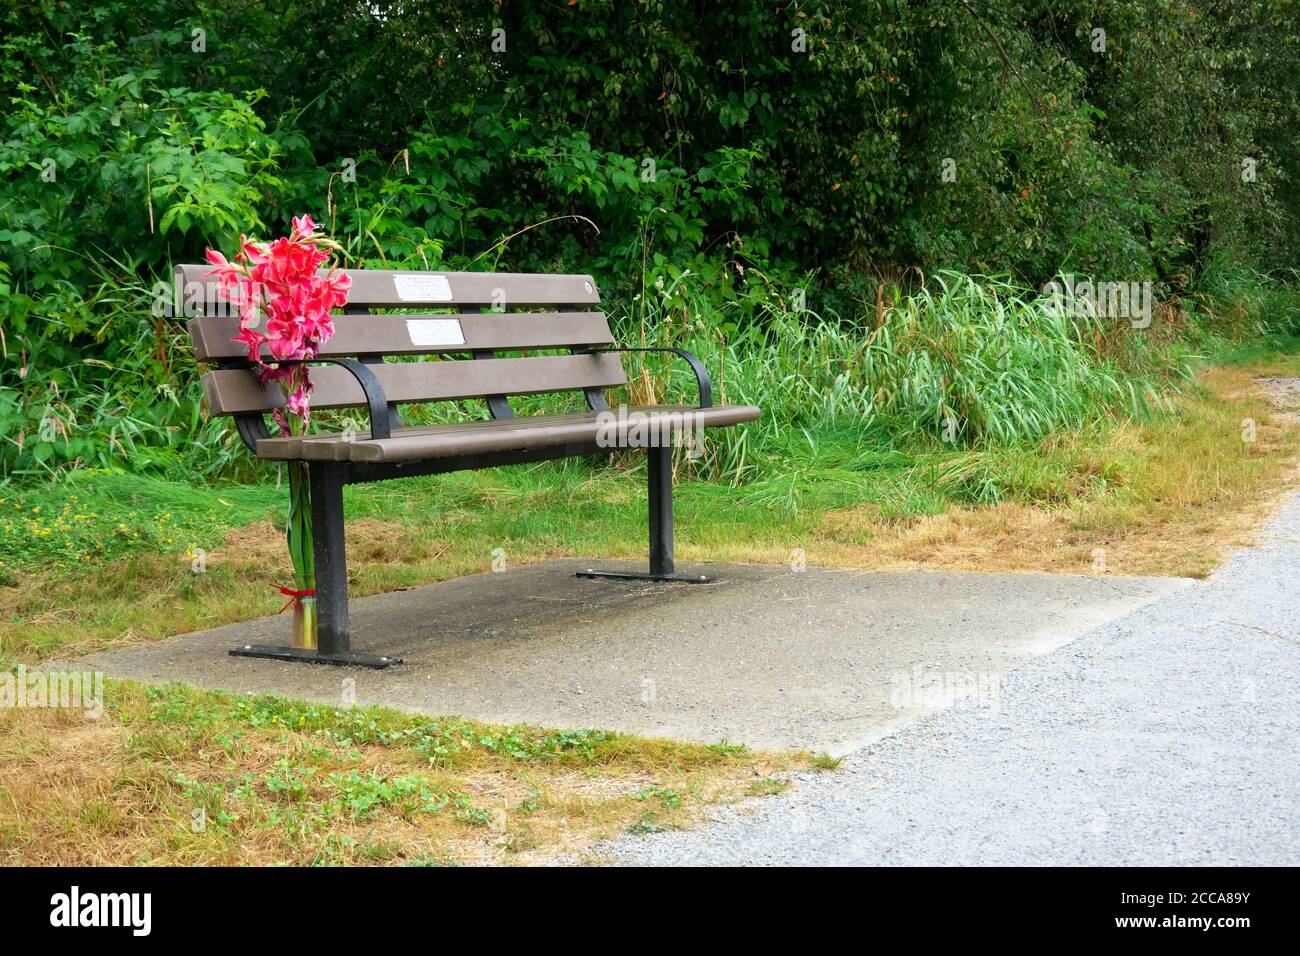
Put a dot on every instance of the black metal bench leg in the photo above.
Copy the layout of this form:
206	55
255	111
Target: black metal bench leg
333	643
331	559
660	468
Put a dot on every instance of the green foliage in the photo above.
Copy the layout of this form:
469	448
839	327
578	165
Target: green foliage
107	176
727	154
363	795
104	382
668	798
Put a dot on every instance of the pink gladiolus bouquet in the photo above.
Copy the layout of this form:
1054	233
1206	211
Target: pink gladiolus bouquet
284	279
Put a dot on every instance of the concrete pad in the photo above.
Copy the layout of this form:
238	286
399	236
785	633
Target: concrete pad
763	656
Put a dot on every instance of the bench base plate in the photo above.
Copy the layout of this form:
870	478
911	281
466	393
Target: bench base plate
308	656
644	576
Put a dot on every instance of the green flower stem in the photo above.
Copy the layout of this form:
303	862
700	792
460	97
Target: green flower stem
299	534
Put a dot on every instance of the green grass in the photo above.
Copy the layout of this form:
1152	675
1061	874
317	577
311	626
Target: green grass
823	761
99	514
97	517
1256	351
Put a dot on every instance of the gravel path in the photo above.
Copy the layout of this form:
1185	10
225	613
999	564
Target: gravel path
1166	737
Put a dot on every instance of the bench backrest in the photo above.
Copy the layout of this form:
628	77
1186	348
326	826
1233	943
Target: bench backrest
461	326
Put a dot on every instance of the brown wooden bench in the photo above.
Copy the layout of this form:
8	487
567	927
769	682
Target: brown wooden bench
467	341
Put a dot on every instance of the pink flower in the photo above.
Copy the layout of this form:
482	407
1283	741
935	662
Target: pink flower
228	274
275	373
337	285
251	251
248	311
252	339
297	402
286	338
283	280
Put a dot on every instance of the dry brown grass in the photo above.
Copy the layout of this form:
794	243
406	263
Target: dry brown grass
123	789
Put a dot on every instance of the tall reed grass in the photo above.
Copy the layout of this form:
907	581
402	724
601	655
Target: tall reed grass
956	362
964	361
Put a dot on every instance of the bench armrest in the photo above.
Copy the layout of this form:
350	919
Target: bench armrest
701	373
370	385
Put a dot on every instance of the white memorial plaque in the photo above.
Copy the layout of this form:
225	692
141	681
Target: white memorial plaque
435	331
418	288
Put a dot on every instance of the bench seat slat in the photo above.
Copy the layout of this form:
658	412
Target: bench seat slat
397	289
238	392
422	334
465	438
292	448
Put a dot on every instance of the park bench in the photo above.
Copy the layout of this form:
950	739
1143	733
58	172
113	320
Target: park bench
459	346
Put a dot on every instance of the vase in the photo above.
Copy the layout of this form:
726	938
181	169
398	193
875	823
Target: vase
299	534
304	623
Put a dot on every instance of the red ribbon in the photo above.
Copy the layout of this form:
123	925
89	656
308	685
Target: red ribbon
294	596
